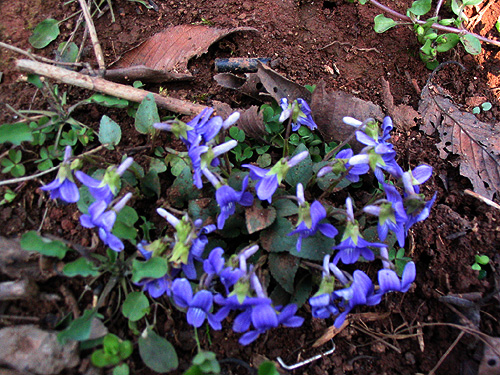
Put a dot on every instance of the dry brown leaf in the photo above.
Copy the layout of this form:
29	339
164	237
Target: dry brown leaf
403	116
250	85
165	55
329	334
328	109
490	363
476	143
279	87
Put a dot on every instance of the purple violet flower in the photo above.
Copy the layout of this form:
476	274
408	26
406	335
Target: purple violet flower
361	292
269	179
104	221
391	215
341	164
309	219
227	198
106	189
198	306
64	187
299	111
389	281
353	244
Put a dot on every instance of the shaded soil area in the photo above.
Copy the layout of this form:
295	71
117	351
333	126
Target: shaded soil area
307	41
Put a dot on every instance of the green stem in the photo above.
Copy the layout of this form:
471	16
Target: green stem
197	339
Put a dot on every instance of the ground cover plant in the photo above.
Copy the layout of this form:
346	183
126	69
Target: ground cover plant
204	237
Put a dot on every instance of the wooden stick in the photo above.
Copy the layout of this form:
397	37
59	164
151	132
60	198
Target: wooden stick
93	36
110	88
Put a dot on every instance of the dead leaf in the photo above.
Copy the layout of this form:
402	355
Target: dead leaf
403	116
329	334
279	87
258	218
328	109
490	363
461	133
250	85
165	55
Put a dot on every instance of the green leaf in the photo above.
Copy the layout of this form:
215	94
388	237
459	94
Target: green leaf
471	2
446	42
237	133
79	329
15	133
471	43
486	106
35	80
101	358
267	368
382	23
32	241
283	267
156	352
147	115
420	7
44	33
109	132
476	267
69	52
482	259
122	369
302	172
302	291
80	267
124	225
108	101
150	184
497	24
476	110
276	239
135	306
285	207
154	267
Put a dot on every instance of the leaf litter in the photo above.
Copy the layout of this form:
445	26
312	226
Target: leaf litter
476	143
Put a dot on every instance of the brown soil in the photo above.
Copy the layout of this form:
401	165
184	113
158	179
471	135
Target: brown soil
308	41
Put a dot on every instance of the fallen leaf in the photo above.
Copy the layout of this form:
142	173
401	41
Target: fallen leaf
328	109
403	116
490	363
279	87
476	143
258	218
165	55
250	85
329	334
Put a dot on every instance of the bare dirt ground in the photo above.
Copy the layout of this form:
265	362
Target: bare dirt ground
307	41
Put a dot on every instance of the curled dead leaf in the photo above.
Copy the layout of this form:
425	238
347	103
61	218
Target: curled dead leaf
165	55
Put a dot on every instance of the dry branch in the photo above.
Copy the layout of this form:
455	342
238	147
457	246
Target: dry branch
106	87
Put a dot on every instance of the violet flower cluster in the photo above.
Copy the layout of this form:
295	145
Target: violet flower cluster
101	213
230	285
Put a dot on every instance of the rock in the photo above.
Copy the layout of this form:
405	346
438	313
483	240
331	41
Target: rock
28	348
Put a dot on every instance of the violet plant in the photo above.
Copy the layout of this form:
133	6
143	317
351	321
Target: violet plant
211	260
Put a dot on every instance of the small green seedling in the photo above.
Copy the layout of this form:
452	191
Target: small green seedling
486	106
481	260
204	363
113	352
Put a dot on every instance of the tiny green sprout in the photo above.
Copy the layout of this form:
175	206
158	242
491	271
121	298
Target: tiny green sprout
486	106
113	352
8	197
480	261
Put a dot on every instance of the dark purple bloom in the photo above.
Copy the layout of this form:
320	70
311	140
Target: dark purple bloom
214	264
392	215
198	306
389	281
323	306
361	292
309	219
269	179
300	113
227	198
353	244
157	287
104	221
64	187
353	171
106	189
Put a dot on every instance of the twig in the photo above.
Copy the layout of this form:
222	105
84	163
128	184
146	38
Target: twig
448	351
93	36
438	7
107	87
436	26
35	57
350	45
